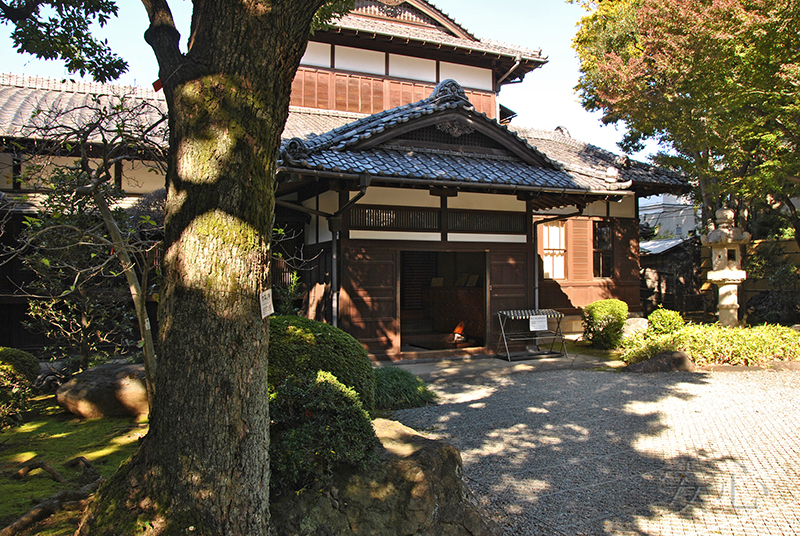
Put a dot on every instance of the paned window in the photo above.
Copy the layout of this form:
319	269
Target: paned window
554	250
603	252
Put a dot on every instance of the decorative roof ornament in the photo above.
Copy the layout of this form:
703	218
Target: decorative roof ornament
295	150
455	128
391	2
449	91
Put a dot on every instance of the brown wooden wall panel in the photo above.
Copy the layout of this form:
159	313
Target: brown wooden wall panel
369	298
626	250
350	92
580	256
508	276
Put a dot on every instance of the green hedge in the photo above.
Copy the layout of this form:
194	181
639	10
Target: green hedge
603	322
297	344
663	321
318	424
397	388
18	371
713	344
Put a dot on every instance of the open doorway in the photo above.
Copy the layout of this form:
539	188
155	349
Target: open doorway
442	300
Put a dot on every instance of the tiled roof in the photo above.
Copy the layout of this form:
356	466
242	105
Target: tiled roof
330	137
436	37
578	156
21	96
556	162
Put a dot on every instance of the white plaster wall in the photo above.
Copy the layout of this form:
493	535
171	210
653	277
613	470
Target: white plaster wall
395	235
473	201
413	68
317	55
493	238
363	61
328	203
138	179
626	208
398	197
466	75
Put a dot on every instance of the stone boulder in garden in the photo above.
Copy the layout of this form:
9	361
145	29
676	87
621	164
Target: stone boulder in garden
111	390
417	489
667	361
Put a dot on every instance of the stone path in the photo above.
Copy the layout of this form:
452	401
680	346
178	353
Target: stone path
574	452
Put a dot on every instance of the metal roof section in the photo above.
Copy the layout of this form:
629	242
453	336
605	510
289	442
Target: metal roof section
657	247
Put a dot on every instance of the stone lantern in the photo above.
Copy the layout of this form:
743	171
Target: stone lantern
726	262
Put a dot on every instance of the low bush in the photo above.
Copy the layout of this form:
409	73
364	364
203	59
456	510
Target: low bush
299	344
21	361
603	322
318	424
663	321
397	388
18	371
714	344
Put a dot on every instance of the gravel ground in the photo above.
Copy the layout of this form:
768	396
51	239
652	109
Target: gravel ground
576	452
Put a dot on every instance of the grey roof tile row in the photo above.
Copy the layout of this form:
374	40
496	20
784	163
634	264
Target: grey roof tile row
436	36
329	137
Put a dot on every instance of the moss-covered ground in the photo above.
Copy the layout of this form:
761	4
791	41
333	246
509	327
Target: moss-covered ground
56	437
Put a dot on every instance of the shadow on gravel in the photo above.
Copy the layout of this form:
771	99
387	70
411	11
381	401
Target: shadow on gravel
574	452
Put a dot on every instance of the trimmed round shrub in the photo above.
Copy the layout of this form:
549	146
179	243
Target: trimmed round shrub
603	322
662	321
318	424
714	344
297	344
21	361
18	371
397	388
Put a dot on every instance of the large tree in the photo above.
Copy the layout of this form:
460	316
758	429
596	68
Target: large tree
204	466
716	81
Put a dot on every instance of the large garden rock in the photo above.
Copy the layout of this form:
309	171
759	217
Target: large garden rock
633	326
112	390
668	361
416	490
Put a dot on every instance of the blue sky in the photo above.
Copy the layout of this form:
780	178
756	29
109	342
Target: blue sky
545	99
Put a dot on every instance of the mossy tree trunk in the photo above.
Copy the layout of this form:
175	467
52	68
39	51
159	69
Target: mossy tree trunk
204	464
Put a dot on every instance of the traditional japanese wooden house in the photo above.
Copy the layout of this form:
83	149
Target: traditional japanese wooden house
422	213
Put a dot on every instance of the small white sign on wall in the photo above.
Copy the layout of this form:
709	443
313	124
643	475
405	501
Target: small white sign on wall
538	323
266	303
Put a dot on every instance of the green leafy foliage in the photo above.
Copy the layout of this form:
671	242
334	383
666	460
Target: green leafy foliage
80	300
24	363
287	296
715	82
603	322
713	344
662	321
18	371
780	304
298	344
318	424
61	29
397	388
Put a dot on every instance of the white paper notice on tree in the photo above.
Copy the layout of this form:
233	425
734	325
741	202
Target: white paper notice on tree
538	323
266	303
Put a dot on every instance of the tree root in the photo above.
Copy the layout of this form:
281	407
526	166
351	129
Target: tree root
50	506
37	463
64	499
